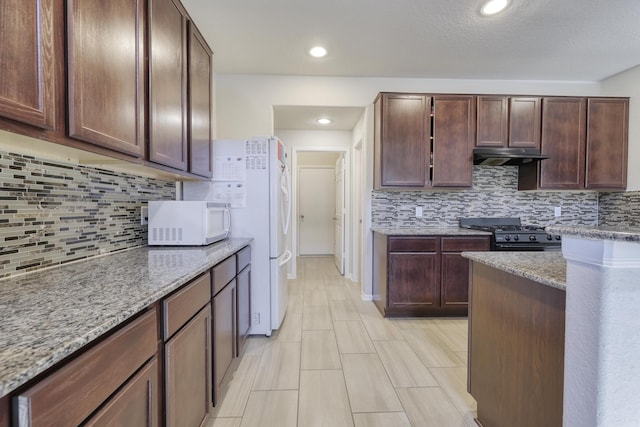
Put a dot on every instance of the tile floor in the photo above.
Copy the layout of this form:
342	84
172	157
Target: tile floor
337	362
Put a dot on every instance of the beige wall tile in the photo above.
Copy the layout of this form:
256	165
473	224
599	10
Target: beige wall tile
323	400
352	337
430	407
368	385
279	367
271	408
319	350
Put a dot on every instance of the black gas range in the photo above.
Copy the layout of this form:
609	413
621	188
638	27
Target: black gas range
508	234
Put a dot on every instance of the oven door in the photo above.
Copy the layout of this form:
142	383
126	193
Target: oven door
526	247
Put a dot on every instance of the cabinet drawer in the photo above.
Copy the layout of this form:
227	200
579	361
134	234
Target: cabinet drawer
244	258
460	244
223	273
184	304
70	394
413	244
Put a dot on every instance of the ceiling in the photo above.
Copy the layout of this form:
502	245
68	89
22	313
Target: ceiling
567	40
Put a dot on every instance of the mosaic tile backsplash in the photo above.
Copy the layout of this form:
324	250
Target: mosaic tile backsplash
494	194
52	213
620	209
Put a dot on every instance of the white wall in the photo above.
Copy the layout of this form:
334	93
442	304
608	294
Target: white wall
628	84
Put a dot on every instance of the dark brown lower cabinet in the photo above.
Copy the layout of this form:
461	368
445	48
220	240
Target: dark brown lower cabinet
516	349
4	411
224	338
243	283
423	275
135	405
188	372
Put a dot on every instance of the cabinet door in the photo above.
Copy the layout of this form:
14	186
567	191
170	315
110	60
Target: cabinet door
106	73
188	372
455	280
224	338
135	405
4	411
401	140
524	122
27	85
167	84
199	104
563	140
607	133
413	280
244	307
454	126
492	125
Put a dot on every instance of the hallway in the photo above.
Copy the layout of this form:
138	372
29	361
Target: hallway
337	362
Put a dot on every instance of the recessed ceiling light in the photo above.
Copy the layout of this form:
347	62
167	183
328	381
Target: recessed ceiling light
494	6
323	121
318	52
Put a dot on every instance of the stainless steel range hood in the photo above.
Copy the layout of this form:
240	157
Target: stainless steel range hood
501	156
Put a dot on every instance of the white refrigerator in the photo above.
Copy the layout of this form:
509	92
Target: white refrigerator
253	176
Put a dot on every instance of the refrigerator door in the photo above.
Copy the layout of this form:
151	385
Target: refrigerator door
279	299
280	200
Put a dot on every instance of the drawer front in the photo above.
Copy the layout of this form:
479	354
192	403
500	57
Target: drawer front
223	273
70	394
184	304
244	258
460	244
412	244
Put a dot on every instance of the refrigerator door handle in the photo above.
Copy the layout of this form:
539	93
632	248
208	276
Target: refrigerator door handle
286	259
286	191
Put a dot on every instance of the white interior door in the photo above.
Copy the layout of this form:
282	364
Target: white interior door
315	210
338	216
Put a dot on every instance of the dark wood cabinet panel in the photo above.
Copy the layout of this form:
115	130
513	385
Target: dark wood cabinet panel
524	122
4	411
607	134
413	280
243	282
188	373
184	304
106	73
454	127
402	142
135	405
167	84
454	280
224	338
563	140
28	58
516	349
73	392
492	123
200	104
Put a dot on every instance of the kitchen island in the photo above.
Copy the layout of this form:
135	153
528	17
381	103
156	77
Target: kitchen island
57	315
516	337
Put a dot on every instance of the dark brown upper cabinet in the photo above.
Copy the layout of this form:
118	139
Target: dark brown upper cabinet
168	84
505	121
106	73
200	104
607	143
420	146
401	139
28	58
453	131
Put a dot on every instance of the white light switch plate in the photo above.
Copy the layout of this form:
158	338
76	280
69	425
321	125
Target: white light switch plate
418	211
557	211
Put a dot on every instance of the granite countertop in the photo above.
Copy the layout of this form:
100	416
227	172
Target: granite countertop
628	234
547	267
49	314
429	231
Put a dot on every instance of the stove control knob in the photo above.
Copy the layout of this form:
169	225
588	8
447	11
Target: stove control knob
533	238
549	237
558	237
507	237
516	238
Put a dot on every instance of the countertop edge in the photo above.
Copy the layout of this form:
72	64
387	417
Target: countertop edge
603	233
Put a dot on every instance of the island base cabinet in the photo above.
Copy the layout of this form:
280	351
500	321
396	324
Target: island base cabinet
136	405
516	349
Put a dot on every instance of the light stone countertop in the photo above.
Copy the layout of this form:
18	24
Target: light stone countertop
429	231
627	234
546	267
49	314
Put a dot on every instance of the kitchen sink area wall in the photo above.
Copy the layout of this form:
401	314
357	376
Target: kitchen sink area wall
494	194
52	212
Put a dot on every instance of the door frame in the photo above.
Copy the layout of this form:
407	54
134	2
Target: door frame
346	151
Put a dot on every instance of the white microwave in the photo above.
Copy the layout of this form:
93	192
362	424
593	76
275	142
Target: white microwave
188	222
